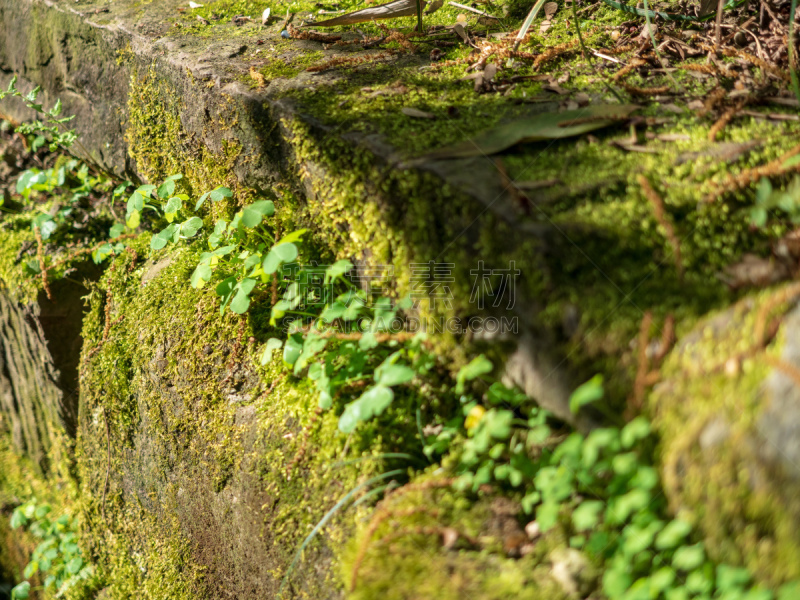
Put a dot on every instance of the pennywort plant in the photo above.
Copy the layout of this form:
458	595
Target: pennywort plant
345	344
601	489
50	126
57	559
246	253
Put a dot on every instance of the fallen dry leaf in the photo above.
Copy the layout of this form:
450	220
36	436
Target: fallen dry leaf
724	151
754	271
434	6
417	114
544	126
399	8
461	32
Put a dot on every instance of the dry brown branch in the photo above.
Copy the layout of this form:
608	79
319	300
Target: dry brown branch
708	69
519	199
627	69
773	168
663	219
724	119
653	91
310	34
785	295
40	256
788	369
667	339
555	52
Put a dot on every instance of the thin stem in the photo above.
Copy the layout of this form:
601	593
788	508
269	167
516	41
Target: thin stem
792	57
587	54
328	516
419	16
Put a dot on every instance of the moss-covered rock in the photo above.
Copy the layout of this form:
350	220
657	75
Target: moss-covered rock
727	412
206	468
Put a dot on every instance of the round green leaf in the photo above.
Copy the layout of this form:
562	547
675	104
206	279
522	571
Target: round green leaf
279	254
616	582
340	267
254	213
688	558
293	348
272	345
392	375
673	534
21	591
200	275
160	239
191	226
587	515
241	302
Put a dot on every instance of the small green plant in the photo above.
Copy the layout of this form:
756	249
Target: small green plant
67	177
57	558
245	250
53	125
601	489
769	199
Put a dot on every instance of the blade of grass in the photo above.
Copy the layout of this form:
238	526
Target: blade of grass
526	25
352	461
328	516
419	16
653	39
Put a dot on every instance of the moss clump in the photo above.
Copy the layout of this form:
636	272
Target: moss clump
428	541
716	465
159	144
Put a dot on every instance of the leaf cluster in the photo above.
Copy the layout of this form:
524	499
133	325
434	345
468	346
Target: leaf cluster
57	558
52	128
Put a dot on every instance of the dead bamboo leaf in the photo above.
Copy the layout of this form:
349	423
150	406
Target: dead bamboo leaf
417	114
545	126
434	6
399	8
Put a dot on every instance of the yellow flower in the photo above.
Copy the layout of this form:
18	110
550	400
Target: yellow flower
474	417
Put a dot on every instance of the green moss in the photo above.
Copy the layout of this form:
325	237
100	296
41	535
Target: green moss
289	68
157	140
192	417
17	234
404	556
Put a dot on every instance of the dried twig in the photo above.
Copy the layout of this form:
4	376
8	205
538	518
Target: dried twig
40	256
749	176
642	365
663	219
